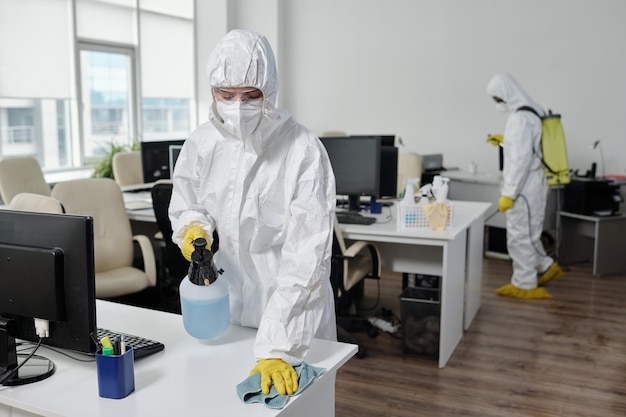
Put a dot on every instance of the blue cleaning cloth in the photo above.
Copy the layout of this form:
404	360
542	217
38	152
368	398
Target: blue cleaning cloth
249	390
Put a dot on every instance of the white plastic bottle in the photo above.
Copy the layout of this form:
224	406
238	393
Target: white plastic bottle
440	188
204	298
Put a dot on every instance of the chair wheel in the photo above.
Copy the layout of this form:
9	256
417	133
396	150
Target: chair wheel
372	331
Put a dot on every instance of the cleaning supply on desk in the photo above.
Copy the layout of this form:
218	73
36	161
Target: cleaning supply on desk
425	193
249	390
204	298
440	188
437	212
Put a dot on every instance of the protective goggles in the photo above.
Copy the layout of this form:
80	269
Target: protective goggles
237	94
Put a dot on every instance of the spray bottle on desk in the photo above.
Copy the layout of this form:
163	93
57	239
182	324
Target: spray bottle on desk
440	188
404	213
204	298
425	193
409	191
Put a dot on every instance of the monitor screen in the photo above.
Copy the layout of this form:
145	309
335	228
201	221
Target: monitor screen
388	171
155	159
356	164
388	165
174	152
46	272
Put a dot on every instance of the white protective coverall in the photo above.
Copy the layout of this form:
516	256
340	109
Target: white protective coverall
271	198
523	181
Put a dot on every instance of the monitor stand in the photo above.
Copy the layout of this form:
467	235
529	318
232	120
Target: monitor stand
36	369
354	202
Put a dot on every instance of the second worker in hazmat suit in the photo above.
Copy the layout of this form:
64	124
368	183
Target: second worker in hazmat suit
265	183
523	192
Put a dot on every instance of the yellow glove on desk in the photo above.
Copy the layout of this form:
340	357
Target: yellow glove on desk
191	234
280	372
505	203
495	140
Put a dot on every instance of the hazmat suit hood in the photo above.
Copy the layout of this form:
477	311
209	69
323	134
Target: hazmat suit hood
506	87
244	58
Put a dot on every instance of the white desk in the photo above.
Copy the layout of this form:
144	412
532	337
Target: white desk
454	254
145	214
189	378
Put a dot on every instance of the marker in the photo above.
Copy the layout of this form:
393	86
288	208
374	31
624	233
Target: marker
107	351
106	342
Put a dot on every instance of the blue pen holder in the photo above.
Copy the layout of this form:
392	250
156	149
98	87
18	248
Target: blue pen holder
116	374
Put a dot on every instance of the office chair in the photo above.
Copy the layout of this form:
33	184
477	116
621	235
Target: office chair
409	166
21	175
36	202
174	265
127	168
101	198
349	267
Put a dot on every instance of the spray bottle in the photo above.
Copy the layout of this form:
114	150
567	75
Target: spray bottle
409	192
440	188
204	298
425	193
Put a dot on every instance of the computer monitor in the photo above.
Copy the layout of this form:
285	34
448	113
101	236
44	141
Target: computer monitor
155	159
388	165
46	272
356	164
385	140
174	152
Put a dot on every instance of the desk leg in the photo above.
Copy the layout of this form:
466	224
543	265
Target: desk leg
452	289
474	274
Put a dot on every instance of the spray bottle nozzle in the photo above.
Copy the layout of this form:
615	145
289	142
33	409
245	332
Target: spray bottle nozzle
202	270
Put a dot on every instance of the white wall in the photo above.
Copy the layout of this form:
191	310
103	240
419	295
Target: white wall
419	69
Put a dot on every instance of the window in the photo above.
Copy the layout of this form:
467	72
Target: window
63	112
108	99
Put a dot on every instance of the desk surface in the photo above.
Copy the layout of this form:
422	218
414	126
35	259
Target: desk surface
465	212
188	378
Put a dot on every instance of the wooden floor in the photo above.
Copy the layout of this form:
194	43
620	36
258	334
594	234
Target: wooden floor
560	357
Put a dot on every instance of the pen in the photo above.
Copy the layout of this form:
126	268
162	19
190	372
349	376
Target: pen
122	345
116	345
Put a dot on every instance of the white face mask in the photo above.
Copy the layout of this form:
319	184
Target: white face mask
241	118
501	107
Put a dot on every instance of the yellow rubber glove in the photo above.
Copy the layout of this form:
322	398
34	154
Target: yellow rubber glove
191	234
504	203
495	140
278	371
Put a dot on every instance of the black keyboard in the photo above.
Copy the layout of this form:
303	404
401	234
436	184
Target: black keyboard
142	347
354	218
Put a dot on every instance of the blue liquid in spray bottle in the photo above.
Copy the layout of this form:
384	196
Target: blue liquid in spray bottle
204	298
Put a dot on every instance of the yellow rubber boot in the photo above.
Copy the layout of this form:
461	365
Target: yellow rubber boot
509	290
553	272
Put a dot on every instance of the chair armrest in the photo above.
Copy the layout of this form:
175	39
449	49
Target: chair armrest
356	247
360	245
147	253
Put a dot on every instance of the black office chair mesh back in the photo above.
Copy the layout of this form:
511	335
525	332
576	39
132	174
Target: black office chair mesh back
175	264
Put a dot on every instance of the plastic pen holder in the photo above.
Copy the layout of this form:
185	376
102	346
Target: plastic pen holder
116	374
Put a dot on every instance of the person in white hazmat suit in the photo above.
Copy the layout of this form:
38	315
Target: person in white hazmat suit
523	192
265	183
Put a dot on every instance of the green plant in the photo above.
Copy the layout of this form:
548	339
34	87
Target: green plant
103	167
